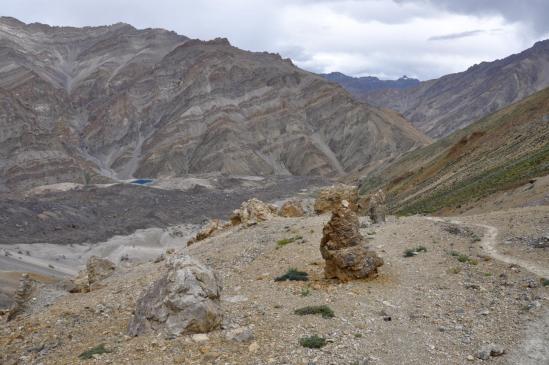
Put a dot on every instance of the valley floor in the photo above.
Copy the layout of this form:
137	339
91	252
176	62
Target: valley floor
436	307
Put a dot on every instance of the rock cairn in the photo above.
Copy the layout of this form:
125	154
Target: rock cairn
344	248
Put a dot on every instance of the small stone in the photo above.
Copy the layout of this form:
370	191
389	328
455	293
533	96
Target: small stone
470	358
200	337
241	334
253	347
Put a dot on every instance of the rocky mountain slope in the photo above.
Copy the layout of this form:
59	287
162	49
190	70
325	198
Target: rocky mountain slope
99	103
441	306
496	154
360	86
439	107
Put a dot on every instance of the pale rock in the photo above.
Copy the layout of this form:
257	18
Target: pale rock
184	300
253	211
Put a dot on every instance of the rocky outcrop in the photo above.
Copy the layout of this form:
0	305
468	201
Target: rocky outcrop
377	207
184	300
330	198
344	248
92	104
253	211
97	269
22	296
208	230
291	209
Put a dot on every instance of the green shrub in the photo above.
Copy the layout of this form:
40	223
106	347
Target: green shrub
410	252
283	242
545	282
293	275
312	342
323	310
100	349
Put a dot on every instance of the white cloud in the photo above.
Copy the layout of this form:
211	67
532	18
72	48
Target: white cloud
358	37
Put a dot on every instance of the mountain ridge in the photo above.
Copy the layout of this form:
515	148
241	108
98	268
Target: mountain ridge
440	106
115	102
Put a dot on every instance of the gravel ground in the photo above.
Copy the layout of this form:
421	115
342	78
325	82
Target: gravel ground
431	308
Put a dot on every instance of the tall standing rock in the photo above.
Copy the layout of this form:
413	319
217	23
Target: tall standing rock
344	248
22	295
377	208
184	300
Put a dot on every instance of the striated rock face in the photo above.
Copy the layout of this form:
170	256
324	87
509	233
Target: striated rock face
184	300
22	295
291	208
344	248
253	211
98	103
377	207
441	106
330	198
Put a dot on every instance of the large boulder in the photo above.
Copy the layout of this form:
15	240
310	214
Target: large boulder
253	211
184	300
291	209
377	208
208	230
22	296
330	198
344	248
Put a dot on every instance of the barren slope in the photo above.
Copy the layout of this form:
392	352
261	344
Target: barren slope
114	102
499	153
426	309
441	106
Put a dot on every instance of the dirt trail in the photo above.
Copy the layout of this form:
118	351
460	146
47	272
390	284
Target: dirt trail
489	242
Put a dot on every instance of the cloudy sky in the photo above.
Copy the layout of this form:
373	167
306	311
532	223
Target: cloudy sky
384	38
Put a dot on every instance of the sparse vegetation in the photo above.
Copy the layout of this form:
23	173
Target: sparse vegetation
323	310
464	258
454	270
293	275
97	350
410	252
306	291
312	342
545	282
283	242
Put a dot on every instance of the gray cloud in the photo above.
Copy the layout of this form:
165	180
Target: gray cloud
384	38
469	33
532	13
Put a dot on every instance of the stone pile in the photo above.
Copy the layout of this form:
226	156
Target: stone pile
344	248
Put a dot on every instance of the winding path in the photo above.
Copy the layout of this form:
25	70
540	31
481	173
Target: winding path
489	242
